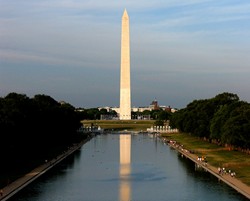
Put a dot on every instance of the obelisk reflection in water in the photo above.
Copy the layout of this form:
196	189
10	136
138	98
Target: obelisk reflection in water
125	167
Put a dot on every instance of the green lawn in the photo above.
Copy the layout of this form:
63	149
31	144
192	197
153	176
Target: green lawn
135	125
216	155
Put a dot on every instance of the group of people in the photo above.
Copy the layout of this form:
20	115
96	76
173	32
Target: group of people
223	170
202	159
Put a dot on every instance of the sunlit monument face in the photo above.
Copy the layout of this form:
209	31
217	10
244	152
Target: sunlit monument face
125	94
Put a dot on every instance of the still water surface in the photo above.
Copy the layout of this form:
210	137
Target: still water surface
127	168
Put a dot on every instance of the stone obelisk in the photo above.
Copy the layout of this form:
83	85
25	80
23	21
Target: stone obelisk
125	94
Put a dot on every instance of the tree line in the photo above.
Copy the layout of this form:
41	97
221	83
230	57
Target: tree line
95	114
223	119
32	128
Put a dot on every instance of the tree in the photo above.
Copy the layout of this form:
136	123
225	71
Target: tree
236	130
159	123
28	127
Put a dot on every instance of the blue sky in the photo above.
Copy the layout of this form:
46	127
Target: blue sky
70	50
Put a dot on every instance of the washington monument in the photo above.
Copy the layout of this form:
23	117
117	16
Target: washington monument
125	94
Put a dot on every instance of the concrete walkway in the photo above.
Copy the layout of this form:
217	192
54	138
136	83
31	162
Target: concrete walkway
22	182
229	180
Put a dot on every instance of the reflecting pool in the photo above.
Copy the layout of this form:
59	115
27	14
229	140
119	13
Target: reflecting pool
124	167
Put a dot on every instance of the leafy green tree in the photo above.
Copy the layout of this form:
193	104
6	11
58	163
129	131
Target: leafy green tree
220	117
215	118
236	130
218	121
31	126
146	112
176	120
163	115
225	98
93	113
159	123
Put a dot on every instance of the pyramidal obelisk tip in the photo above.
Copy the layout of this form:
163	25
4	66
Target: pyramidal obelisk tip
125	12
